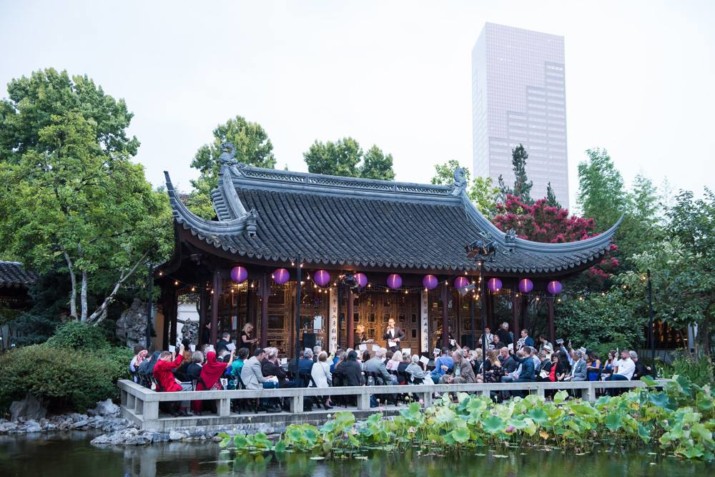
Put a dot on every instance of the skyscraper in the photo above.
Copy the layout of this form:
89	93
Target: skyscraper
519	97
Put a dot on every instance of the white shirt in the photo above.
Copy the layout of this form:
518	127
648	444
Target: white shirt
626	367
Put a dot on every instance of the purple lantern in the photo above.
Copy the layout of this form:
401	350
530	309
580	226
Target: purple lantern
554	287
321	278
281	276
494	285
525	285
394	281
430	282
361	280
461	282
239	274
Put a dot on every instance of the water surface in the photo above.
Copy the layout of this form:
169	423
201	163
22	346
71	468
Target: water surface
72	455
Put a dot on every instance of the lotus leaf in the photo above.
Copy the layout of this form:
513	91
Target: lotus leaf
493	424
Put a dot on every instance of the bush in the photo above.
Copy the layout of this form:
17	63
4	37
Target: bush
698	370
64	379
79	336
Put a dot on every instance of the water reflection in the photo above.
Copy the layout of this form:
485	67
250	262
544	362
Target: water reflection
72	455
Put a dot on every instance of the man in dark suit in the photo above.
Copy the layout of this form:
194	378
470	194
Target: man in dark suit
393	335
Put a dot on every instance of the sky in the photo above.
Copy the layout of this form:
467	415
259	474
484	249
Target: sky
640	75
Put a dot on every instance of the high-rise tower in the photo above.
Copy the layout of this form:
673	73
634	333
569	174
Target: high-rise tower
519	97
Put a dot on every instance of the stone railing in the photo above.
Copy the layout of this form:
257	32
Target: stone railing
141	405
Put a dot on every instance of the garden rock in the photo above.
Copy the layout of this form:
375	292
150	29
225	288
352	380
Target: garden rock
28	408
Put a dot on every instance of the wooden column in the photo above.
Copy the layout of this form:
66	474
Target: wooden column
173	315
515	310
351	319
445	316
552	332
203	313
215	300
265	292
167	317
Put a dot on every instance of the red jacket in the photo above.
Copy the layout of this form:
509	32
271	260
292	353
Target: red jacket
164	375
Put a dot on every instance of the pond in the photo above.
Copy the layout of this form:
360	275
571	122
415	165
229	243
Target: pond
72	455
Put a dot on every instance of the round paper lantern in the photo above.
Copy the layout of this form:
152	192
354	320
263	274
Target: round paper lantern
460	282
525	285
361	279
430	282
554	287
494	285
394	281
321	278
281	276
239	274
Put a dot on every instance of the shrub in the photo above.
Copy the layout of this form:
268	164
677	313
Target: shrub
79	336
698	370
62	378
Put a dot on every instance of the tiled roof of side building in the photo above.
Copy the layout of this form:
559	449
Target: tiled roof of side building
14	275
279	216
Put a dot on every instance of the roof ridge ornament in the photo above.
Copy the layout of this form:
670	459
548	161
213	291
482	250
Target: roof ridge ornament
228	154
460	181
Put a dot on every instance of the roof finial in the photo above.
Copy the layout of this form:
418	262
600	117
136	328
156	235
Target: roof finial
460	180
228	154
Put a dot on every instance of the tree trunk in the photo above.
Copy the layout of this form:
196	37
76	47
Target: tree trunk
83	296
99	314
73	280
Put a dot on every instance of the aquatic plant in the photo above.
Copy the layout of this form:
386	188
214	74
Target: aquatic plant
679	420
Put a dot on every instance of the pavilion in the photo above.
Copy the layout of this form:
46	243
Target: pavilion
307	257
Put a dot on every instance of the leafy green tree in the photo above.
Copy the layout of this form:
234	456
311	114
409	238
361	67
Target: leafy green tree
70	196
481	191
601	195
345	157
444	173
483	195
377	165
253	147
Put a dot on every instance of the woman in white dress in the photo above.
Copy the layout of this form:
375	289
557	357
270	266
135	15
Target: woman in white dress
321	375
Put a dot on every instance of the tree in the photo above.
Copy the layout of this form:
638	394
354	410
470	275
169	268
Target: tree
481	190
253	147
444	173
377	165
70	197
522	185
345	157
601	193
483	195
551	197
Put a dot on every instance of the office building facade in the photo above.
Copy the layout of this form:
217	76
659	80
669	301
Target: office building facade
519	97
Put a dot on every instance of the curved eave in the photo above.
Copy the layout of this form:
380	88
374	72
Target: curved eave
187	218
601	241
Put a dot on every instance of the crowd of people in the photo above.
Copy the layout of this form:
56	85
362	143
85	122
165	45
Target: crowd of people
222	366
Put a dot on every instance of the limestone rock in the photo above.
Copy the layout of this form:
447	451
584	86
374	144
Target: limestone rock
32	426
107	408
28	408
131	325
176	436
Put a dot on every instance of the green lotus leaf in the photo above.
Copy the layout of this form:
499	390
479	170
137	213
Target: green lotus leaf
539	416
460	435
613	421
493	424
560	397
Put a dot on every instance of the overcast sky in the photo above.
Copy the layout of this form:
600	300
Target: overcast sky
640	75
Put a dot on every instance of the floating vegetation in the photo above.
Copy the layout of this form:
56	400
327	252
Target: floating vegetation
678	421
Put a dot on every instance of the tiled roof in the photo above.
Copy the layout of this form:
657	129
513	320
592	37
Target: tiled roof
13	275
279	216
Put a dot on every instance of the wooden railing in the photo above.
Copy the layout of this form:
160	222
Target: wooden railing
141	405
